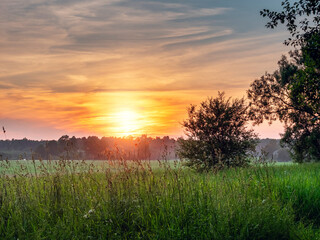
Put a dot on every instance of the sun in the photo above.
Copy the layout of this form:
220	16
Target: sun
127	122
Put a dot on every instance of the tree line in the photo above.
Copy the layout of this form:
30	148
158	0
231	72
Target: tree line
92	147
112	148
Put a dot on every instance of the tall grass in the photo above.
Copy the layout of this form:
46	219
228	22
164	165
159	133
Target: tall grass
121	200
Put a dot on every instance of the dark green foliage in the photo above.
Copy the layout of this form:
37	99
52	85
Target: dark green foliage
292	93
217	135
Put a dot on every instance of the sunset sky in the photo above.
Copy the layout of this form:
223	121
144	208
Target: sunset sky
127	67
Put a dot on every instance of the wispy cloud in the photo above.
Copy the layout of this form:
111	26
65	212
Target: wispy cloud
59	57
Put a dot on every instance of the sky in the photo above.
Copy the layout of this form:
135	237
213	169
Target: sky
127	67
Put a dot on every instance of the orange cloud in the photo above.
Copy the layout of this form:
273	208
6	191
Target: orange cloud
115	68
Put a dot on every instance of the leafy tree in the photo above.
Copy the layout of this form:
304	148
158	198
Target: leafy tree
292	93
217	134
296	18
41	151
52	147
94	147
143	149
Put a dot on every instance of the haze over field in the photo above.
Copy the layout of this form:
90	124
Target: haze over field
126	67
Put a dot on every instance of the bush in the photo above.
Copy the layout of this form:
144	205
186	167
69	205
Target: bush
217	134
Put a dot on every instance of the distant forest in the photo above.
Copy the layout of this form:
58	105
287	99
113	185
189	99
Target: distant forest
110	148
90	148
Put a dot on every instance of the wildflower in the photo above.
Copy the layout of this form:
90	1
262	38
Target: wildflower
91	211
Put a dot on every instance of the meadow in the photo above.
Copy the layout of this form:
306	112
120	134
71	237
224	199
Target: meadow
157	200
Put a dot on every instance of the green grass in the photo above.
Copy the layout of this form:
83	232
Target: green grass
27	167
85	200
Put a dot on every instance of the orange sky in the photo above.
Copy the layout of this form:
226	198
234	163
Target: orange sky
115	68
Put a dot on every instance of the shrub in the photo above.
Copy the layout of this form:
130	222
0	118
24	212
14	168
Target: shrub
217	134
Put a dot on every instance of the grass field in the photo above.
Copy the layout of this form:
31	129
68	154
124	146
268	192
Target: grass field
30	167
89	200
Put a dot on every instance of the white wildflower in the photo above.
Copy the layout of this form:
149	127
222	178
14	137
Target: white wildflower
91	211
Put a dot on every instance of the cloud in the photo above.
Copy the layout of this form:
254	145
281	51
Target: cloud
59	57
45	43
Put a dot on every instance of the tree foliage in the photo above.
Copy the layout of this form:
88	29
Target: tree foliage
292	93
302	19
217	134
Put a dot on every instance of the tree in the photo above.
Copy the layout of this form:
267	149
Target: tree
217	134
297	18
143	148
41	151
52	147
292	93
94	147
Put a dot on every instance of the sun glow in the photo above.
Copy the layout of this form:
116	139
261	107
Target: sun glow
127	122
